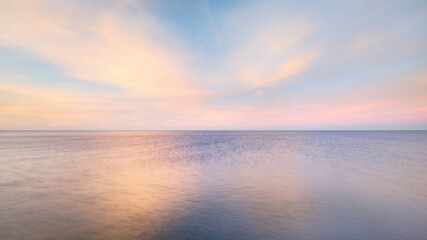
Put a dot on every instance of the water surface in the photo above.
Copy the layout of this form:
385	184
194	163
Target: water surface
213	185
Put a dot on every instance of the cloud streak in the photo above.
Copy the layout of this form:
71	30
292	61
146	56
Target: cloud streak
123	65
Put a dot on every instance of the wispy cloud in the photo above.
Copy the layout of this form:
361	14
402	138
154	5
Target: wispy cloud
268	64
106	48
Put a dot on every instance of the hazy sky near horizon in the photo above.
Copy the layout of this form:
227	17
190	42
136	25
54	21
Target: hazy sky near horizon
204	64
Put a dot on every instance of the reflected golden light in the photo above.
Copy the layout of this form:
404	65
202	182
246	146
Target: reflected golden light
138	193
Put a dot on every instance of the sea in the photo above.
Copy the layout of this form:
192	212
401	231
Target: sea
213	185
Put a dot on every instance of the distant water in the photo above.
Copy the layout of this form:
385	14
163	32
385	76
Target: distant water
213	185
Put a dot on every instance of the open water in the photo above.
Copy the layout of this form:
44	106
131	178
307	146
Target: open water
213	185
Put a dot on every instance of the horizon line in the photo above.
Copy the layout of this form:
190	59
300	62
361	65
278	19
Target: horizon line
212	130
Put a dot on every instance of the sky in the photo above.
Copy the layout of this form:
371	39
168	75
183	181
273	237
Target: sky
205	64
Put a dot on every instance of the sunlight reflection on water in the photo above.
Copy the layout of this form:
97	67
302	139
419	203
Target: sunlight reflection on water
213	185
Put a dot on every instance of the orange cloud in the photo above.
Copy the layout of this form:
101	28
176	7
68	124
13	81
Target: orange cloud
261	46
294	66
105	49
261	52
402	101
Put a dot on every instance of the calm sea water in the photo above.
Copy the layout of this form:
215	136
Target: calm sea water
213	185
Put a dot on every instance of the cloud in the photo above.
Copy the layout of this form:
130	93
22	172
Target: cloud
374	37
258	93
121	64
294	66
262	44
52	107
108	47
402	101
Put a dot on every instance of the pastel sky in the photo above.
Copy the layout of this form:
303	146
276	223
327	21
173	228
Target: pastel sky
205	64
